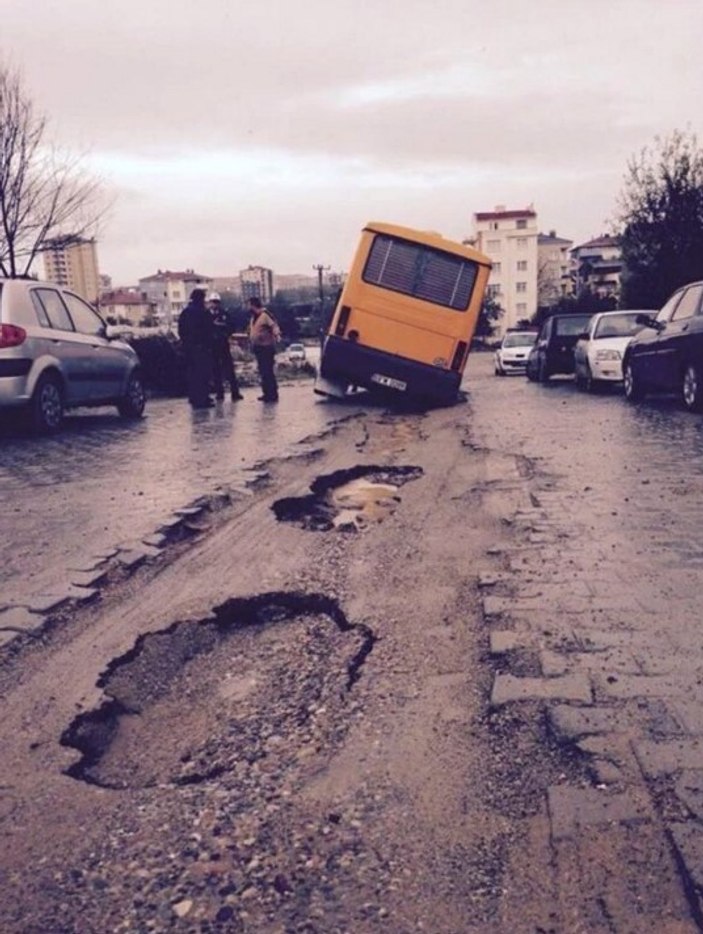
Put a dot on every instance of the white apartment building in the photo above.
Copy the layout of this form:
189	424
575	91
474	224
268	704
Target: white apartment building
73	263
509	238
170	291
127	305
597	266
257	282
554	268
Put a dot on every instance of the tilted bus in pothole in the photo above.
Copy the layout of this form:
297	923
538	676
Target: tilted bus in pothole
406	316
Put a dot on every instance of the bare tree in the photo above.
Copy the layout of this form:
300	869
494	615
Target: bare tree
44	195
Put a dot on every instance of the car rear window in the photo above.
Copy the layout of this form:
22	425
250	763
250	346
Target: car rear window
421	271
571	326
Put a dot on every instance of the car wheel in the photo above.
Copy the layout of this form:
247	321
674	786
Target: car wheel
692	388
47	405
132	404
634	390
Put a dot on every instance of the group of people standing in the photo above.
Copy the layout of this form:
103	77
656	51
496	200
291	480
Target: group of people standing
204	329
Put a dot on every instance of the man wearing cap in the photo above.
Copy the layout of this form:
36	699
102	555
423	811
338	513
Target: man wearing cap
222	362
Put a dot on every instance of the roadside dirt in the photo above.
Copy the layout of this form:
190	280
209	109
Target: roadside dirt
288	730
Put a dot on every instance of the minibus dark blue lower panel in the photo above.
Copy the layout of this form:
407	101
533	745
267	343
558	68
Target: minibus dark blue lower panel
346	361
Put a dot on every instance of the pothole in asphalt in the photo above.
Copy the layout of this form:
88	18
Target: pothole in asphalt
257	687
347	500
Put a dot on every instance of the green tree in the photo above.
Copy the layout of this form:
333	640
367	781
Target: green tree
488	318
661	221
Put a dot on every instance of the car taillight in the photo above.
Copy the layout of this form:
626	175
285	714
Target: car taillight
11	335
459	355
342	321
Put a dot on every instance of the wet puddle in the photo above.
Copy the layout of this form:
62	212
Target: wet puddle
347	500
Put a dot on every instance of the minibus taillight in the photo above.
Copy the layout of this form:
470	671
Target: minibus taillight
11	335
343	320
459	355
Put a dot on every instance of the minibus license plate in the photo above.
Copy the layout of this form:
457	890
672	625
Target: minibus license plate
388	381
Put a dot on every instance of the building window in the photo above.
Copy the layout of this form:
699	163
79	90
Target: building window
493	290
493	246
522	265
494	225
522	243
521	224
520	286
521	308
496	269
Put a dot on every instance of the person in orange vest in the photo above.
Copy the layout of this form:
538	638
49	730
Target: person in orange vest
263	335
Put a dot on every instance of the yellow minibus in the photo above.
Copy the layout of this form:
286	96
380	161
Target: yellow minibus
405	316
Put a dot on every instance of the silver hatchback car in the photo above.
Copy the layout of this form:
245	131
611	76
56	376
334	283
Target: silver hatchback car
55	353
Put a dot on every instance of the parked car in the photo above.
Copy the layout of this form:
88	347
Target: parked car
553	351
55	353
667	354
511	356
599	350
296	353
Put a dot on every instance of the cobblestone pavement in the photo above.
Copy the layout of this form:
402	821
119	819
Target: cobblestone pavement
103	486
593	599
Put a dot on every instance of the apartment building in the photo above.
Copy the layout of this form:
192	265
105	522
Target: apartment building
554	269
170	291
257	282
597	266
73	263
510	239
127	305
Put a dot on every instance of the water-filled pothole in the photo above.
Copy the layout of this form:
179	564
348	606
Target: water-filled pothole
264	679
347	500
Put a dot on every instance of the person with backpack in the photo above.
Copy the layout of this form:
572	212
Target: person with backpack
263	336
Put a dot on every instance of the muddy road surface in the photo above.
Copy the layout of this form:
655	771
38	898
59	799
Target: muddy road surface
416	677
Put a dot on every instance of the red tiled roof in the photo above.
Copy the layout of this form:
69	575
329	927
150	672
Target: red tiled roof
124	298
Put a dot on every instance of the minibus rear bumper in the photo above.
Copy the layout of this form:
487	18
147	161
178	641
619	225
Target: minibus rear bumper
345	361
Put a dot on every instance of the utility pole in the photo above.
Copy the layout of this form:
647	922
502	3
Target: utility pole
320	270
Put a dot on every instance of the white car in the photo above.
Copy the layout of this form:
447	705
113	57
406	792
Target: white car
511	356
296	353
599	351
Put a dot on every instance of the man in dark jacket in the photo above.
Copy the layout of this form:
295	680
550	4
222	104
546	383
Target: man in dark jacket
195	329
222	362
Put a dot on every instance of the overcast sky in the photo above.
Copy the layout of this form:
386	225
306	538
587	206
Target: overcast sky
269	131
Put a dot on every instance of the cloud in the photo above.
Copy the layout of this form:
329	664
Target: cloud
272	131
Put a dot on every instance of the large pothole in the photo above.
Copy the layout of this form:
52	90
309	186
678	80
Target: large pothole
347	500
260	685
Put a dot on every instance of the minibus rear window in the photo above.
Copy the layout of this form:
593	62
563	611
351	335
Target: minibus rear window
420	271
